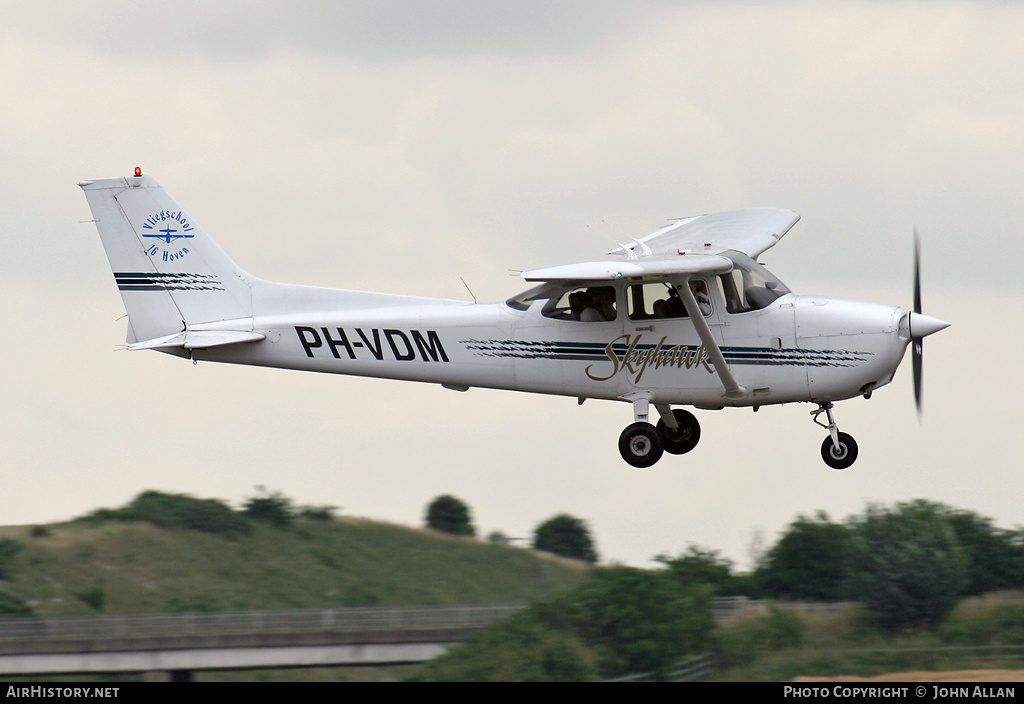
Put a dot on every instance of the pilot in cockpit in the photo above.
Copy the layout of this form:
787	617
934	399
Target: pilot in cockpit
600	305
700	292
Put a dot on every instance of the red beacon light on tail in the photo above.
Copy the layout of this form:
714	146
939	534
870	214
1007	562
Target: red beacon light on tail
138	171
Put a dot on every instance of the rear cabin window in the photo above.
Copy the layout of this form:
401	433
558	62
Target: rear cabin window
654	301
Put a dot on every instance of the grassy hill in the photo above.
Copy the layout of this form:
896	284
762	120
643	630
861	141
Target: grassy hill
119	567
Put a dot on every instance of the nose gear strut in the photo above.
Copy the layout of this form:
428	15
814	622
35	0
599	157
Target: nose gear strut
839	450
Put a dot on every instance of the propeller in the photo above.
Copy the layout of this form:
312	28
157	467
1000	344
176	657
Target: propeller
921	326
918	351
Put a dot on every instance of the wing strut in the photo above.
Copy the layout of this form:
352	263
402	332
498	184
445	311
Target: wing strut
733	391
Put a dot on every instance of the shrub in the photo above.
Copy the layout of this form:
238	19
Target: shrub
521	648
783	629
13	606
988	624
94	597
748	637
9	550
317	513
177	511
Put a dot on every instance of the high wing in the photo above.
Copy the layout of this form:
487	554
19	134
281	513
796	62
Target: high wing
750	231
701	238
669	265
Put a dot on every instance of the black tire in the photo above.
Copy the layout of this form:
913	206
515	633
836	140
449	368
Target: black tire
842	458
641	445
681	441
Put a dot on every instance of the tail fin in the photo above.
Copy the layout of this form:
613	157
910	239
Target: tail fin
171	275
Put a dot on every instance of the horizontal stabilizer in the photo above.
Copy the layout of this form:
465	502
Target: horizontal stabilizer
199	339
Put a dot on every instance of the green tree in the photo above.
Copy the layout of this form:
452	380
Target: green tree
703	566
996	555
906	566
274	508
810	561
450	515
567	536
636	620
622	621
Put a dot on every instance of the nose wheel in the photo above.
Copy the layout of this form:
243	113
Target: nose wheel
839	450
841	454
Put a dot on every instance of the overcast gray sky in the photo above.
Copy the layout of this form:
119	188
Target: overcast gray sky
398	146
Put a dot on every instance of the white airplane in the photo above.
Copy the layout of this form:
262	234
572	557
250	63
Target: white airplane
684	316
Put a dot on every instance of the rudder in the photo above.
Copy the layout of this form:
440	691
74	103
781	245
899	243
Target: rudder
169	272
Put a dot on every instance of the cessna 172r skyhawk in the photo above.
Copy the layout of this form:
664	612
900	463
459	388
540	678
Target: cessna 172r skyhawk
684	316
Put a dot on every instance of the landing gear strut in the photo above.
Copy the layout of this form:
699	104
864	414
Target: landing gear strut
839	450
642	444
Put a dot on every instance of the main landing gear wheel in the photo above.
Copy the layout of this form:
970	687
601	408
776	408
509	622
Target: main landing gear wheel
841	457
641	445
684	438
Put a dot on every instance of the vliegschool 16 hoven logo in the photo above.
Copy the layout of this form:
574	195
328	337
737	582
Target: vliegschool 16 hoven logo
169	232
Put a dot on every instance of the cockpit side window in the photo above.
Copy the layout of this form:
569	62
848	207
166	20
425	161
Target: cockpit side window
587	304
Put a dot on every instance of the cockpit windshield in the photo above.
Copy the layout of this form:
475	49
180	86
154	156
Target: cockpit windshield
749	286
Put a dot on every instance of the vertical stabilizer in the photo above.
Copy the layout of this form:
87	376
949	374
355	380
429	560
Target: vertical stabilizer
171	275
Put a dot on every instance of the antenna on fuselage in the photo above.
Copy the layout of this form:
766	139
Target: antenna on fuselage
468	289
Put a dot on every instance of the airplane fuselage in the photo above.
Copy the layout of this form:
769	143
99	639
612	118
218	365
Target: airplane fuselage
799	348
